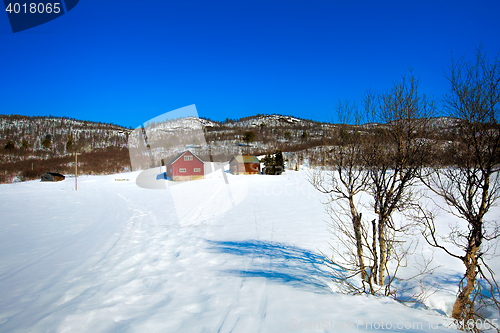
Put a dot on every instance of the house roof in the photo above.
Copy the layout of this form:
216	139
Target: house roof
182	154
246	159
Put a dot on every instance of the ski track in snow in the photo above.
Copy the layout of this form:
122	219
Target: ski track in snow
113	257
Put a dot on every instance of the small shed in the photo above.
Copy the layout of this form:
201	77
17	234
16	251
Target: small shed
52	177
244	165
186	166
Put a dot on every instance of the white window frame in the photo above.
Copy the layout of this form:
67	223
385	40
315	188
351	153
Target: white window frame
242	168
182	169
197	170
188	158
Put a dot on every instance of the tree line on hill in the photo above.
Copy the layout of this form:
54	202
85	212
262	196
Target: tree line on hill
30	146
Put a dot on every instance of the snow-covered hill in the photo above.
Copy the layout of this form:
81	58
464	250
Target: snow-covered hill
273	120
201	256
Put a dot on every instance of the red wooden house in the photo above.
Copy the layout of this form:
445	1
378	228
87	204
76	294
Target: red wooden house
244	165
185	166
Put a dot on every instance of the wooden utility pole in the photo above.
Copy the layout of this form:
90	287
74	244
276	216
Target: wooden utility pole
76	170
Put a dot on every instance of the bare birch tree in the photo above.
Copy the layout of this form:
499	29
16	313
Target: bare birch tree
344	181
384	166
393	160
472	185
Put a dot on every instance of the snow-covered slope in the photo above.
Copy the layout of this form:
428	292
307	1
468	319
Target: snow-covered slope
113	257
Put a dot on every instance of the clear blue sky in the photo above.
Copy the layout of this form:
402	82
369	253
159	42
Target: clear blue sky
126	61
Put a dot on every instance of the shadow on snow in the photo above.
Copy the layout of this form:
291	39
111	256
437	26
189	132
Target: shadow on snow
280	263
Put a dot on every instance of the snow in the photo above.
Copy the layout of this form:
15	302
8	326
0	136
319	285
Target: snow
200	256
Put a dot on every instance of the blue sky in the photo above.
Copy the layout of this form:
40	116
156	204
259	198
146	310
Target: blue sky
126	61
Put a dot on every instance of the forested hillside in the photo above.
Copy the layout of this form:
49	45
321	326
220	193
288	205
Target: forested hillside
30	146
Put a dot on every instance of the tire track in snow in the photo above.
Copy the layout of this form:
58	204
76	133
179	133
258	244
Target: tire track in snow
137	214
226	322
262	311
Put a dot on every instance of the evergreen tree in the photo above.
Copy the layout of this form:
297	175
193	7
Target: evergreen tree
249	137
47	142
25	144
10	145
269	163
70	143
274	164
279	162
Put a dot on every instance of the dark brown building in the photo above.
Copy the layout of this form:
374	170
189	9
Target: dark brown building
244	165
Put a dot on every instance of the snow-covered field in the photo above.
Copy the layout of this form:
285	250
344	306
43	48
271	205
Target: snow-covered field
199	256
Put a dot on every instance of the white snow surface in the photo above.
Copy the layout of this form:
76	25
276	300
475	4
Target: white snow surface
244	257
